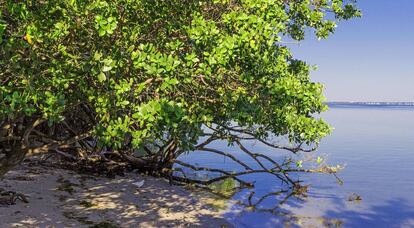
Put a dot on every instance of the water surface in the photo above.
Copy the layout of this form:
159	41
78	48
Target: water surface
376	145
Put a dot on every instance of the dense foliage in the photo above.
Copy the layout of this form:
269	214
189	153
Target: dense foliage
154	74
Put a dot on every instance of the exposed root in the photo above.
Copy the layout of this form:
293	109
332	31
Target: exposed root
10	197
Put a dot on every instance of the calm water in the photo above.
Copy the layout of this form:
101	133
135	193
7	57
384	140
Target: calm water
376	145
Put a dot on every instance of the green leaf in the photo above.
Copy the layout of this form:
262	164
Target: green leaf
106	68
101	77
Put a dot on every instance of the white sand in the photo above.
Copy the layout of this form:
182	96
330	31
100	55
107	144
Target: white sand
61	198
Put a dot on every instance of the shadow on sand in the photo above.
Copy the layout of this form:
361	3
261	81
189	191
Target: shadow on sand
60	198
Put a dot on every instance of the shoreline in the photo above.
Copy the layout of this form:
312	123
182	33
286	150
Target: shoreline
64	198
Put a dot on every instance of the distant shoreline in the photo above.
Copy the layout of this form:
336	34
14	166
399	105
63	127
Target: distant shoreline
369	104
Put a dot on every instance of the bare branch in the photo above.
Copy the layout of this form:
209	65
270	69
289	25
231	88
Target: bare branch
227	155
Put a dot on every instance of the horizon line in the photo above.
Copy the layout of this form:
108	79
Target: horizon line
368	101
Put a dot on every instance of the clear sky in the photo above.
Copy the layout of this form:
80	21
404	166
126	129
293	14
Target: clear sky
367	59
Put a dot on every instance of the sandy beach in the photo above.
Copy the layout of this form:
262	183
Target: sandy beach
63	198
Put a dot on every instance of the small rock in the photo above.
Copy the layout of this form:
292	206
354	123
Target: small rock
139	184
354	197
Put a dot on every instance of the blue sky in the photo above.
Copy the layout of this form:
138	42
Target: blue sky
367	59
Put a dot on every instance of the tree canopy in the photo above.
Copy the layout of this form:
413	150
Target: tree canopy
154	75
